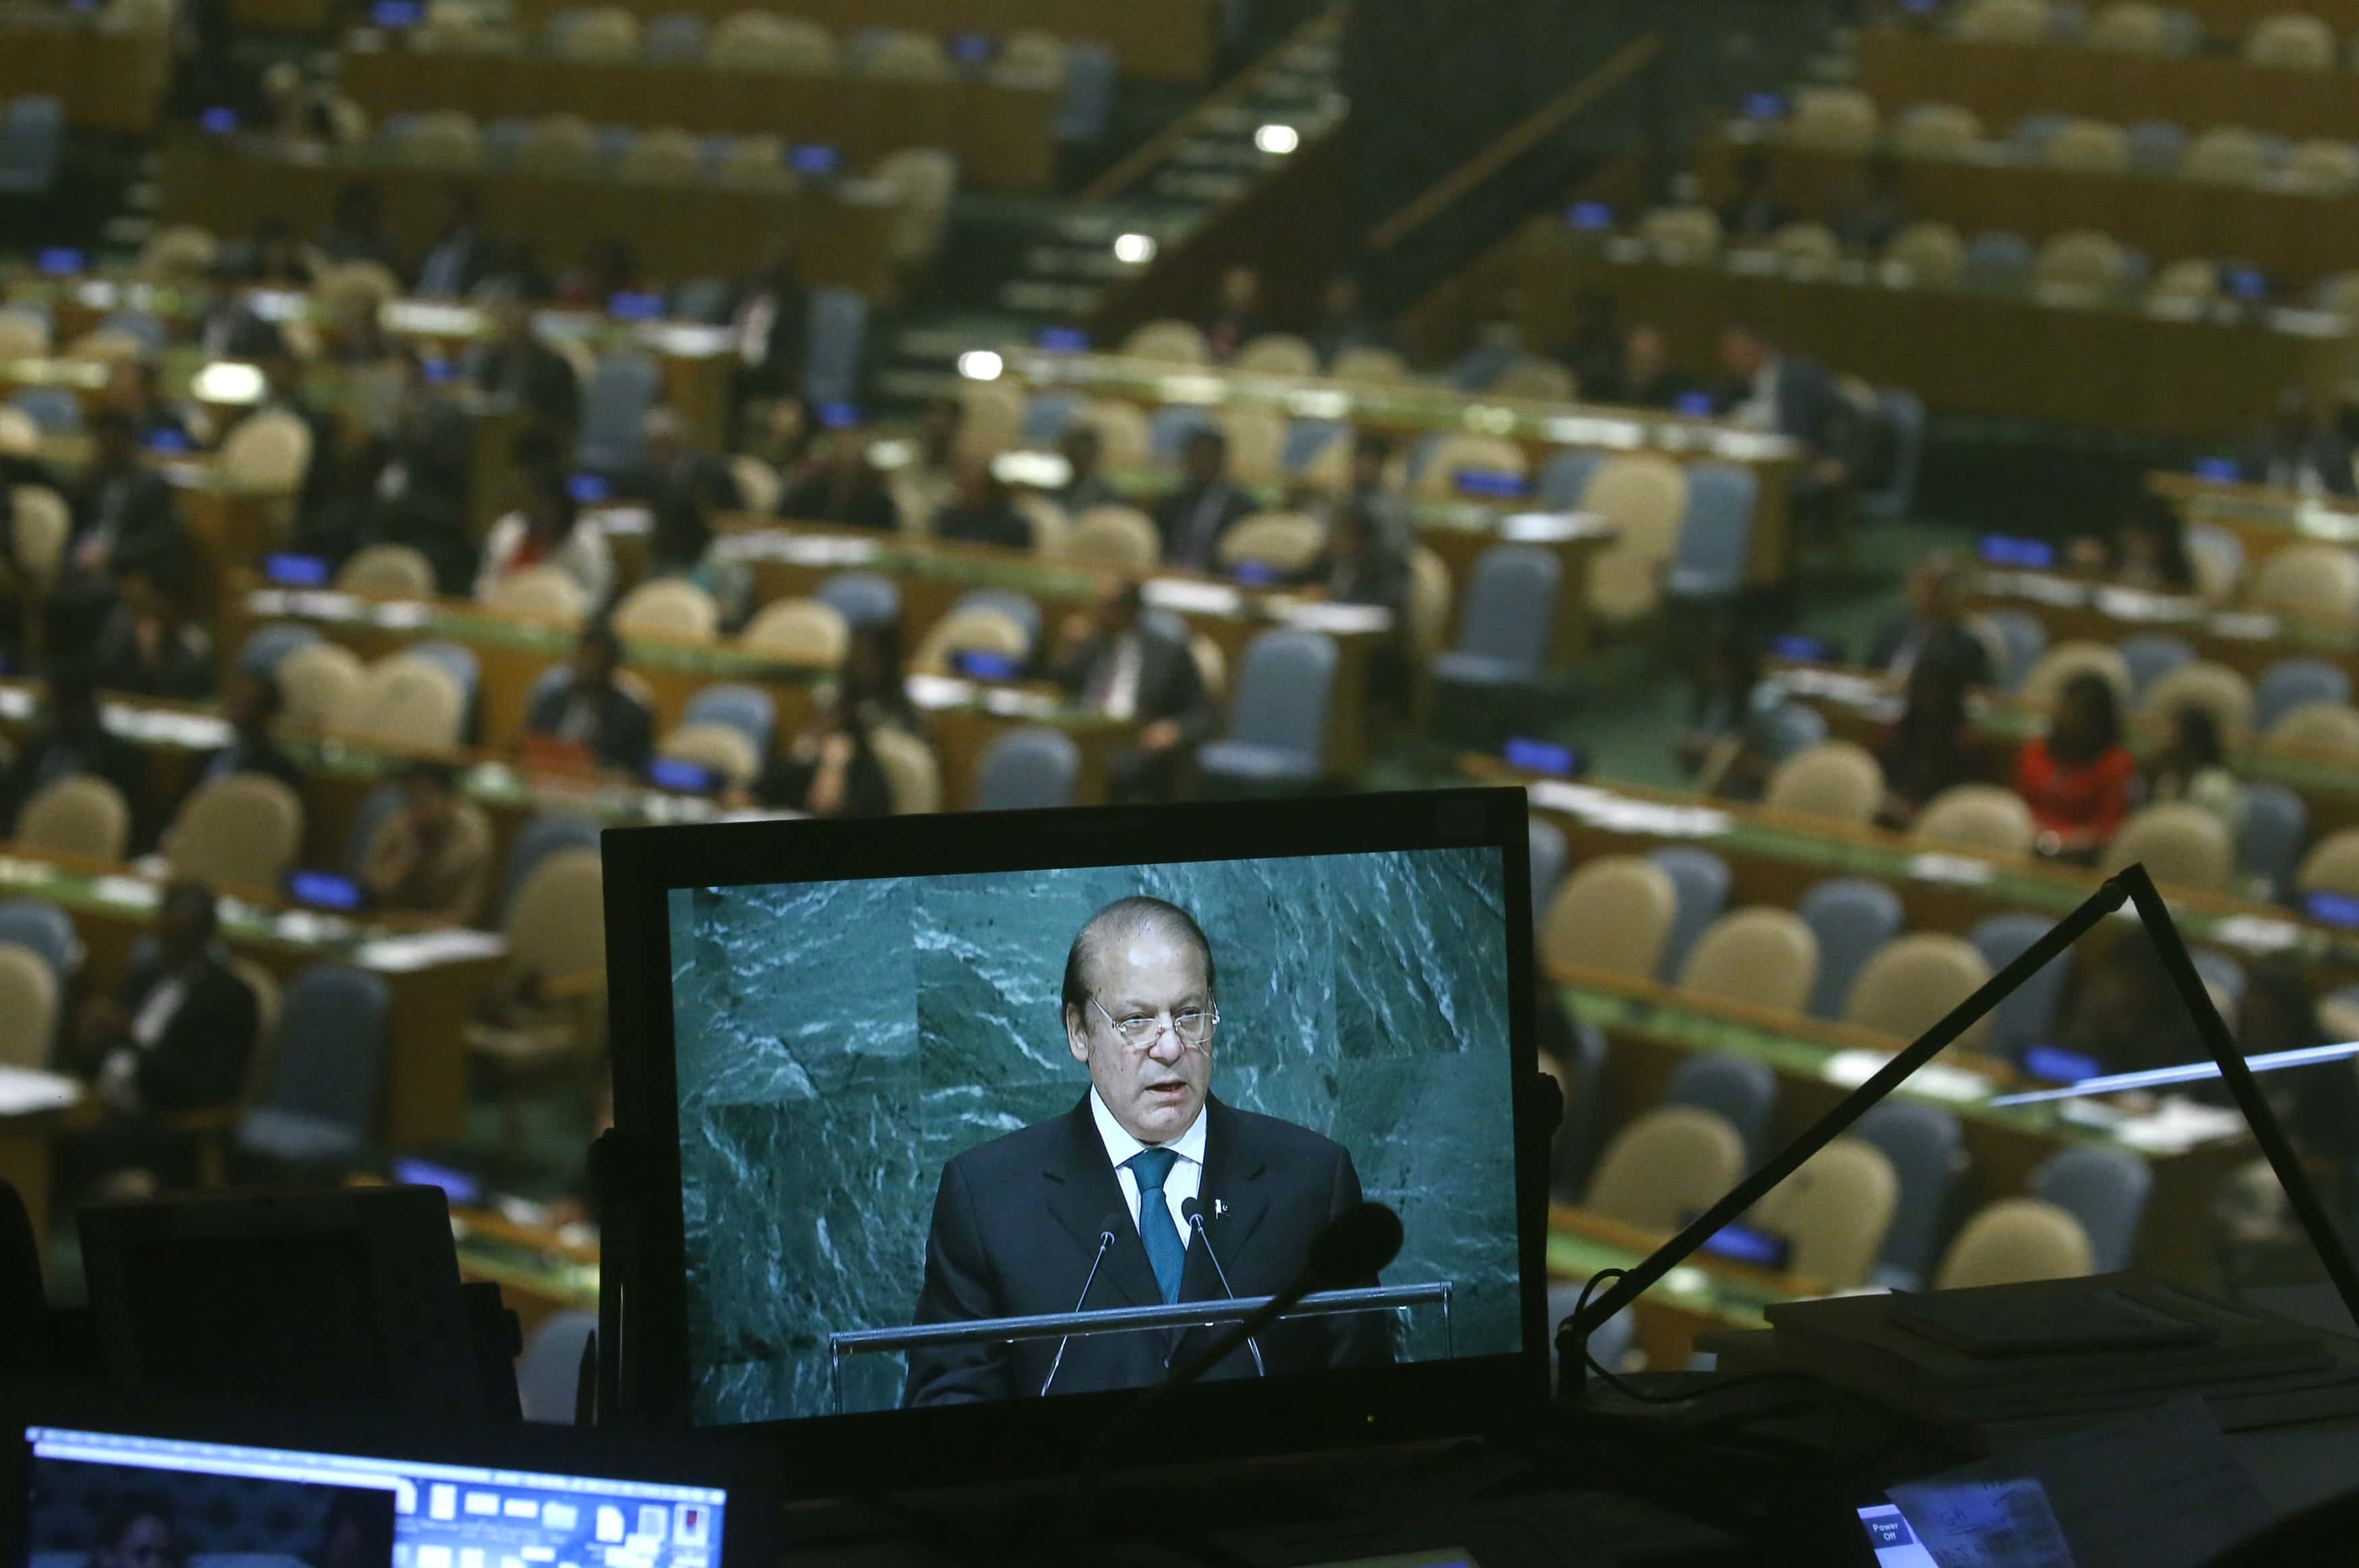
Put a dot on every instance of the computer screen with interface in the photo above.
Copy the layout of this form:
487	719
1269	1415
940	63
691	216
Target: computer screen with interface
99	1499
914	1108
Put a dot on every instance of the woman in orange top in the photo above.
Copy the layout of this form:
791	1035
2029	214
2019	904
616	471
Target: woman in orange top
2076	778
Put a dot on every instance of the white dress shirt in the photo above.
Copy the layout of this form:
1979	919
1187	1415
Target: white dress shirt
1122	681
1187	1177
1759	409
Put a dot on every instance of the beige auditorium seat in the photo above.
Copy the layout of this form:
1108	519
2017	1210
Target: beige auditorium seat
1807	247
1285	542
239	832
721	748
991	417
925	179
1833	1212
1682	233
42	523
1278	353
977	629
2130	26
803	630
545	593
2003	21
2015	1240
1212	667
1430	595
1612	913
606	33
179	253
668	610
1256	440
407	701
319	683
1938	130
908	56
1542	381
2226	155
2091	147
1455	454
1931	252
1763	956
2327	168
2311	582
85	817
387	571
1030	55
2081	261
556	932
665	156
1911	982
764	40
1976	816
267	453
28	1006
1834	781
1124	439
756	163
2182	845
445	140
558	144
2331	865
1167	342
1121	536
910	772
2191	280
1050	523
2056	667
2219	691
2325	731
1643	497
2292	39
1369	365
24	334
758	483
1840	119
1665	1167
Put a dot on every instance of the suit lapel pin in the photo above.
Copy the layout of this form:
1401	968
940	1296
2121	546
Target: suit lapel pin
1219	1208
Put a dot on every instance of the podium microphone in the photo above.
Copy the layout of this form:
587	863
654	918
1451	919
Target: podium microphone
1194	1213
1106	1229
1354	1246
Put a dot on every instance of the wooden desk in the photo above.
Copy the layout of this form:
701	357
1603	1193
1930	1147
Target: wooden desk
1418	409
1654	1028
2244	640
1964	352
1001	136
1155	41
1689	1302
1775	858
2264	519
106	81
538	1272
25	1140
2295	236
676	231
425	1093
1901	67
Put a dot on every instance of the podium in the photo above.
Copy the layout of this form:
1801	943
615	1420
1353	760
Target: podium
1125	1320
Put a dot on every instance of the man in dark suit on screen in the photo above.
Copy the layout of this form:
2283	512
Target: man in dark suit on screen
1018	1221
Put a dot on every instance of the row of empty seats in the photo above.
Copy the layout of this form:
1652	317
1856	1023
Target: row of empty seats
2293	40
769	41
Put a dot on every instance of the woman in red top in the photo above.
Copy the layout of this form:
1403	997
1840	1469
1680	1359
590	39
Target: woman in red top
2076	778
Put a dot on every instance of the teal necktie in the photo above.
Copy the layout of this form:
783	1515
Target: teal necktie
1165	1253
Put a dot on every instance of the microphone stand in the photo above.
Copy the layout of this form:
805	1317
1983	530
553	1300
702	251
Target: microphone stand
1196	1220
1105	1244
2130	885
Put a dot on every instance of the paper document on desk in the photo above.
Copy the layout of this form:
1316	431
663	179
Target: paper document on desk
2156	1490
24	1091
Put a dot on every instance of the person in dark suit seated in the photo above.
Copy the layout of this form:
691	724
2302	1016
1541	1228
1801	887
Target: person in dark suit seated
672	469
1359	563
419	477
1192	518
2300	450
1083	450
1236	317
1018	1220
70	741
1754	211
1124	664
830	770
1796	398
462	252
1933	626
842	487
1343	322
588	710
1645	378
771	324
983	511
175	1036
132	389
683	544
433	856
123	510
228	329
516	367
148	648
250	701
356	231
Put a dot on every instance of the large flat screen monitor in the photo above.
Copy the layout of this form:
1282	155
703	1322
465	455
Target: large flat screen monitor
952	1131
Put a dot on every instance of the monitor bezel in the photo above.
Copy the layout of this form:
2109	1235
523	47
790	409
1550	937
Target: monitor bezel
649	1377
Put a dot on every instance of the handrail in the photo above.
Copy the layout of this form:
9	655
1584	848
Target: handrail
1542	122
1153	150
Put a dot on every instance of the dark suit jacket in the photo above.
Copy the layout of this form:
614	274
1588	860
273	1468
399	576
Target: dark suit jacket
1187	541
784	346
536	376
1018	1220
985	525
1169	684
1954	646
820	500
626	734
140	505
699	477
201	1058
235	333
2323	450
1812	409
454	262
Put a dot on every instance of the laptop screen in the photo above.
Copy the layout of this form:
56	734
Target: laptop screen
910	1104
97	1498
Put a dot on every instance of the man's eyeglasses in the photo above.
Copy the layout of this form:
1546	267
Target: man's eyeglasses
1141	1030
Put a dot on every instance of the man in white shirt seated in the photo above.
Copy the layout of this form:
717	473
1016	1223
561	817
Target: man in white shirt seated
1129	664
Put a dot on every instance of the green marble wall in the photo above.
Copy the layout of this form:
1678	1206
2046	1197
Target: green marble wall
837	1043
